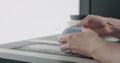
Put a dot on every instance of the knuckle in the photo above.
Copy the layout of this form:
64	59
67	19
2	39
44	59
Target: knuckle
61	39
71	35
61	48
74	51
91	17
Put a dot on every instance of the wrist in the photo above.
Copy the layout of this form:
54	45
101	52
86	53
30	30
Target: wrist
114	25
98	48
106	52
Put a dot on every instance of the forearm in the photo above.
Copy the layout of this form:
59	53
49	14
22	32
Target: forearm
107	52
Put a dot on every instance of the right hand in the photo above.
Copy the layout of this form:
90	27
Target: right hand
85	42
98	24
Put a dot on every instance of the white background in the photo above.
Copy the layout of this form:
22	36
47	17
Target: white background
26	19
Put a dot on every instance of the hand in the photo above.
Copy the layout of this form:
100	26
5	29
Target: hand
84	42
98	24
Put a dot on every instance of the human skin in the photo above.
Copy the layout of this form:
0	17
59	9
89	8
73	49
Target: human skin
89	41
104	26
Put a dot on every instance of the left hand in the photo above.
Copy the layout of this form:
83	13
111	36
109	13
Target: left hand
84	42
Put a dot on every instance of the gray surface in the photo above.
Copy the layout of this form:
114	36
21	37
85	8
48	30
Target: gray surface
7	51
51	38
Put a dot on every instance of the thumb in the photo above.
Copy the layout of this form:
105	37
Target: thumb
84	22
87	30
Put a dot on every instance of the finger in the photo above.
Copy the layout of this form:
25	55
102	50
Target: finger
88	31
65	47
84	22
76	52
65	38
